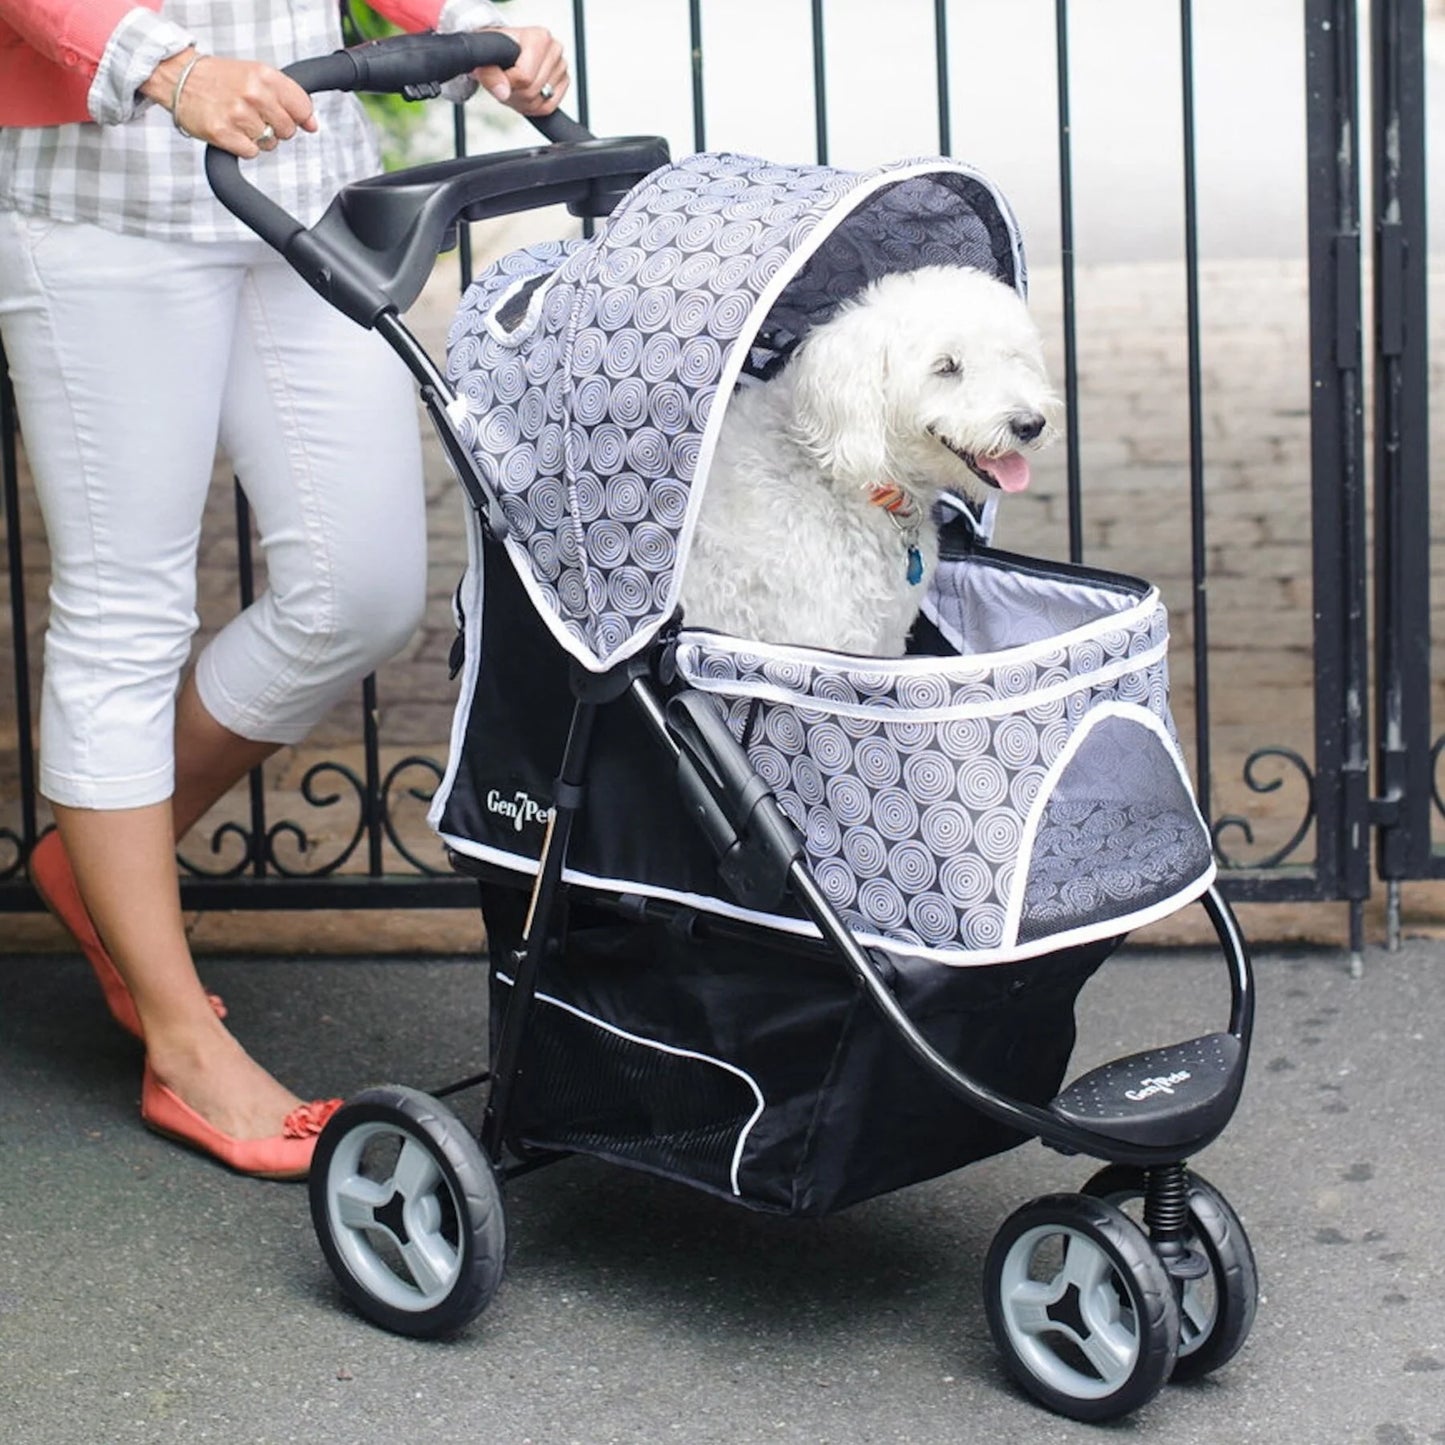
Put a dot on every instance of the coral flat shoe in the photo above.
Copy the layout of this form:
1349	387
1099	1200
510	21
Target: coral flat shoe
286	1155
54	881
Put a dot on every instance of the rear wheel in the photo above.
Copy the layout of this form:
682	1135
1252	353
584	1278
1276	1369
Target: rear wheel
1217	1310
408	1213
1081	1307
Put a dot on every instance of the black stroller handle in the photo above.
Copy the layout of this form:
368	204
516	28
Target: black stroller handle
394	65
400	63
403	64
374	249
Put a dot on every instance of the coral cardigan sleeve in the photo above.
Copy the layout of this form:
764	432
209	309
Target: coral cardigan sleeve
115	44
444	15
439	14
73	33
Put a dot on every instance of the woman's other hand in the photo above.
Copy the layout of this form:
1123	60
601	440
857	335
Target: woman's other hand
536	84
242	106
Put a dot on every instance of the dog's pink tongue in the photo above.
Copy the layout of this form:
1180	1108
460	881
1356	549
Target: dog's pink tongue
1010	471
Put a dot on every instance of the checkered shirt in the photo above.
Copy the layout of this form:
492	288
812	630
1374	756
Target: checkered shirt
136	173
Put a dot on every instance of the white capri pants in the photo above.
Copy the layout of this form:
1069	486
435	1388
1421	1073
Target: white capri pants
131	357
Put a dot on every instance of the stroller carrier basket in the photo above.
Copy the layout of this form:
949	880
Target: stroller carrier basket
1019	796
973	807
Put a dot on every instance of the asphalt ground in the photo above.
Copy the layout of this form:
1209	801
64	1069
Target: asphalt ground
148	1295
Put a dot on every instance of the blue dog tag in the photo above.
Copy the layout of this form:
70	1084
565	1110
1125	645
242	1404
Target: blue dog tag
915	566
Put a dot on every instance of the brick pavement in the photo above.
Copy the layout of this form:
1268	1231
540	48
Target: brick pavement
1134	444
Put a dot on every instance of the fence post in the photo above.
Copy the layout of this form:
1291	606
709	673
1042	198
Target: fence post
1402	807
24	741
1337	464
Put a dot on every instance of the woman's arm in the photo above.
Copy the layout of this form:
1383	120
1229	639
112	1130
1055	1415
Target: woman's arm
230	103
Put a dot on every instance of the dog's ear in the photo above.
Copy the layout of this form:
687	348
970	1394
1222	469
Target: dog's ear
839	374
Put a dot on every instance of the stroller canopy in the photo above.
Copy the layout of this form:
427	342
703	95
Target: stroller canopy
588	370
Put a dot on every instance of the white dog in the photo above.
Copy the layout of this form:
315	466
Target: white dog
817	524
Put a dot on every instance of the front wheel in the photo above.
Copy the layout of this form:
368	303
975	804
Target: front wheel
1081	1307
408	1213
1216	1311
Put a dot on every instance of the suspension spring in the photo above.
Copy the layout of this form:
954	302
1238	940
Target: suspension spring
1166	1201
1166	1217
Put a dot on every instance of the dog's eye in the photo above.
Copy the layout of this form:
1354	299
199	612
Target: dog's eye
946	366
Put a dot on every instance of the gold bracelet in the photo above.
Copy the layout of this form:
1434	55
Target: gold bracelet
181	79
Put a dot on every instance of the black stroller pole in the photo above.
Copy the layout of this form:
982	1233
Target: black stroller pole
537	932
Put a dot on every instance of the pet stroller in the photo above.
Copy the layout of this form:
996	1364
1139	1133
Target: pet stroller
791	927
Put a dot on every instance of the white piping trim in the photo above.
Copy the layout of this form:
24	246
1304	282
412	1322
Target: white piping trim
471	591
528	324
965	663
1129	712
677	1052
1001	707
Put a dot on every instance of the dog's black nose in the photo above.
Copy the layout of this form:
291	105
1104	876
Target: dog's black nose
1026	425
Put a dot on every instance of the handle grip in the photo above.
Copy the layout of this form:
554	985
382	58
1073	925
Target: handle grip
392	65
400	62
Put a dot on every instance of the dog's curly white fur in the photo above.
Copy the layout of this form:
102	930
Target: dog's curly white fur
930	381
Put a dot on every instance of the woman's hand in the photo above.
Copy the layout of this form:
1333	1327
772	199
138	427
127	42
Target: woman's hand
536	84
242	106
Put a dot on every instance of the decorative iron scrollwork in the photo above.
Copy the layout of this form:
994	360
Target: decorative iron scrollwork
431	766
290	838
1258	784
226	830
311	792
1437	748
11	839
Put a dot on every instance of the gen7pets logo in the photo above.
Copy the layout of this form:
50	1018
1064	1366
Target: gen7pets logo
521	808
1164	1084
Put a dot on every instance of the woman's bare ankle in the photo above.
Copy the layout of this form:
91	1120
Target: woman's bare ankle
213	1075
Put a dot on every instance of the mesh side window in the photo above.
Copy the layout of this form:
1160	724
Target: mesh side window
943	220
1118	834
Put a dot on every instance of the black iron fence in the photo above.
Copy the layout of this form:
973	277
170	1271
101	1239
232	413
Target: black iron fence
1352	800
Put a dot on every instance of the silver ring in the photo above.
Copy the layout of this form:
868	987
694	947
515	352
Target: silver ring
267	136
546	91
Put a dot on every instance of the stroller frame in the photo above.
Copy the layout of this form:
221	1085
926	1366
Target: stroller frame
369	256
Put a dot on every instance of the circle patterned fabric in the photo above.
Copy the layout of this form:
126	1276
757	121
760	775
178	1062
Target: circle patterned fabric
587	371
913	781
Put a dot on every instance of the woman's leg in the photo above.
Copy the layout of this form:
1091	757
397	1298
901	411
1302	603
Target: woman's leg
120	350
210	760
124	861
320	420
